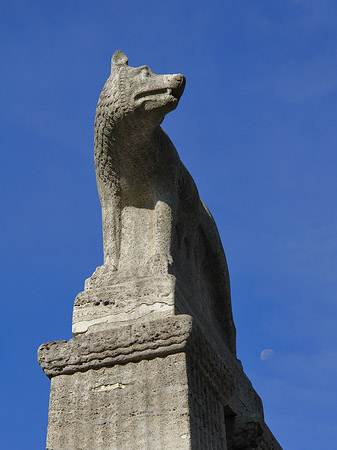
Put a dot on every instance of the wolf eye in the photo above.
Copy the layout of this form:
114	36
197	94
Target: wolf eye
145	72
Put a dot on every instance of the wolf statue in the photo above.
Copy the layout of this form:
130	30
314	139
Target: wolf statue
152	364
162	250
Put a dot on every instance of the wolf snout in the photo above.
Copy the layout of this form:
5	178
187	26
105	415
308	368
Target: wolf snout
178	79
178	82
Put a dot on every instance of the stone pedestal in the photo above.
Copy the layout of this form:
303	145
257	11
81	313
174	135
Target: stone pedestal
140	373
158	385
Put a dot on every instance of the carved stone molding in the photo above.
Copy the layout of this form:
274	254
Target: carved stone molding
136	342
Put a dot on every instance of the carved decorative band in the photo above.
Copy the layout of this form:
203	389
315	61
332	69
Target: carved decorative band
133	343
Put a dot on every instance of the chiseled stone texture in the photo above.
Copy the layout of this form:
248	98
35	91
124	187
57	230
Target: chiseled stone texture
160	384
162	250
133	343
136	406
155	386
152	365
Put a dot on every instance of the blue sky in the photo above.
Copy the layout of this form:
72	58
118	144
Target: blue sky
256	127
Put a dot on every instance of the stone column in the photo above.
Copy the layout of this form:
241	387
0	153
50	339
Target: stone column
149	386
158	385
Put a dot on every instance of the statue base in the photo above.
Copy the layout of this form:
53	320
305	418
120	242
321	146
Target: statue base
158	385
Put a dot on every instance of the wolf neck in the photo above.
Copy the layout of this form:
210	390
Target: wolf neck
120	150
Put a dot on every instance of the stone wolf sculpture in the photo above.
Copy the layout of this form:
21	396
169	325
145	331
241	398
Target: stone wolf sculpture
162	250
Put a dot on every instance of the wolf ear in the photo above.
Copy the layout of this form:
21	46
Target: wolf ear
119	58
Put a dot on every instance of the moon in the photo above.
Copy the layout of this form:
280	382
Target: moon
266	354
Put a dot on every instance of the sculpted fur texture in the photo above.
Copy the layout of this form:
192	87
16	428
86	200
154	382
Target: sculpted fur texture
154	224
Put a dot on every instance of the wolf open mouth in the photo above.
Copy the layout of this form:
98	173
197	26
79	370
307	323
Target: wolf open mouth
174	91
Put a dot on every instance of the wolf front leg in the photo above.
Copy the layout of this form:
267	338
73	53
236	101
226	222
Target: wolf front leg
111	224
162	236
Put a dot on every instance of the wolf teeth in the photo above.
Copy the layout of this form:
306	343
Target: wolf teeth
169	91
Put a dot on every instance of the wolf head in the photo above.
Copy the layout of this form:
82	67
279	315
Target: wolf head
137	91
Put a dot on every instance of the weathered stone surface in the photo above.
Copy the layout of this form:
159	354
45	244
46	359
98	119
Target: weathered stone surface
244	433
152	364
157	385
94	373
136	342
162	250
135	406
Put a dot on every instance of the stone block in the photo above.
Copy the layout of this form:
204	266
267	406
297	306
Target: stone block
157	385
